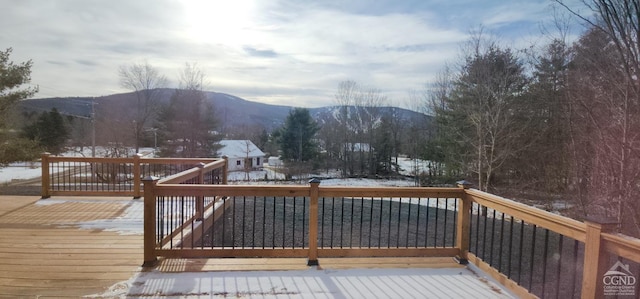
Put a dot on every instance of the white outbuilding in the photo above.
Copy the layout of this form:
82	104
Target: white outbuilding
242	154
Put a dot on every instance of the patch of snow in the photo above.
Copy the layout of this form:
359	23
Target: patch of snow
49	202
412	167
129	223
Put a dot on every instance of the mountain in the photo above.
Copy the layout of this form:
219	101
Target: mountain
231	110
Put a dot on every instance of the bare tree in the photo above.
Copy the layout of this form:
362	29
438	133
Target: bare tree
145	81
189	119
606	99
359	114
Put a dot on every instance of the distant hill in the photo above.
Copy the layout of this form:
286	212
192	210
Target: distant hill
231	110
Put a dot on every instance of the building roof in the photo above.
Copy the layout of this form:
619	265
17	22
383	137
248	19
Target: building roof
239	149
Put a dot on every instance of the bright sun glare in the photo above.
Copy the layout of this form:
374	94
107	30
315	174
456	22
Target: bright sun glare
220	22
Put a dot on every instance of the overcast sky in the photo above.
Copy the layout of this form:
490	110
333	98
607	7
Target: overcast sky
289	52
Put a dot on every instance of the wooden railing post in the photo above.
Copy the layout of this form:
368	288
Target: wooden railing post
136	176
46	179
200	199
596	260
225	169
313	222
463	225
150	257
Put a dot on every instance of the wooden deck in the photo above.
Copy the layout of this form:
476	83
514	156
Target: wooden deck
63	248
45	253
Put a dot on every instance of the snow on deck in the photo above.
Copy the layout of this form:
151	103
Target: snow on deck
313	283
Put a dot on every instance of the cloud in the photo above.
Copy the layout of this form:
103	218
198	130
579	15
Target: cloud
289	52
260	53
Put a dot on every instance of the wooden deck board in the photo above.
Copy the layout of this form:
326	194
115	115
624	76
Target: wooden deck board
11	203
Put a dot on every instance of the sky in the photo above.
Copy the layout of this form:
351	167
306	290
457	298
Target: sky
284	52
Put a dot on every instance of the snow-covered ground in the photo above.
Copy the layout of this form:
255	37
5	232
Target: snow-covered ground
31	170
19	171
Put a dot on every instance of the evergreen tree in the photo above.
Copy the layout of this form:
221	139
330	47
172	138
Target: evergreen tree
12	77
483	114
296	137
49	130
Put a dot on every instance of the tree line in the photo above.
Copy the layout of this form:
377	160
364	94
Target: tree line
564	121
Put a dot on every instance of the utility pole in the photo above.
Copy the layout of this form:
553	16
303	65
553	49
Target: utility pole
93	127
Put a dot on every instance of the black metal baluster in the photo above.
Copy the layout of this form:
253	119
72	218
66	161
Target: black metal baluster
477	249
398	221
455	221
390	220
533	251
484	233
575	268
509	265
418	222
304	220
233	223
426	227
522	223
544	261
264	221
500	247
244	209
293	234
273	226
333	214
370	221
493	229
182	221
435	231
224	218
444	230
353	200
284	220
380	224
322	225
408	222
254	223
559	268
171	225
341	221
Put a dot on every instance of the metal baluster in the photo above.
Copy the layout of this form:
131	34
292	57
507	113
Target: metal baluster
418	222
533	251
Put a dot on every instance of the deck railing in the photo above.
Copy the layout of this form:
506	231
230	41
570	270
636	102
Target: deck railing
532	252
192	213
87	176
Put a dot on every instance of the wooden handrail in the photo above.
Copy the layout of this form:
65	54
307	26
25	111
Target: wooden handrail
559	224
622	245
192	173
230	190
334	191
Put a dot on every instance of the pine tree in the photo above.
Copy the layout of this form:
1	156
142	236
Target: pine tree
296	137
49	130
